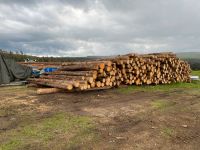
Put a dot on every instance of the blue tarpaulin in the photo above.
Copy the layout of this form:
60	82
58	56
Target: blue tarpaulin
37	72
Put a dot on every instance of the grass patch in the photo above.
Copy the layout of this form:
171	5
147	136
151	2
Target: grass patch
11	144
167	132
196	73
162	87
162	104
50	130
87	135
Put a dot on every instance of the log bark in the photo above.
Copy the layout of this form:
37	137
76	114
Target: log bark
41	91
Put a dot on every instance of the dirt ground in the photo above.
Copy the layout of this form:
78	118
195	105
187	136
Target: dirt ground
133	119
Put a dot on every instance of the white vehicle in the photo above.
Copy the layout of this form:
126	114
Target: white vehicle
194	77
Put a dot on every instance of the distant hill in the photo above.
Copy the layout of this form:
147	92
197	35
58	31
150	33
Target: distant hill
193	58
189	55
22	57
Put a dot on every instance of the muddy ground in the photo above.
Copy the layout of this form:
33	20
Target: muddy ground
118	119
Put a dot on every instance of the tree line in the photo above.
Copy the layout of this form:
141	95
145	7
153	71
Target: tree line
194	63
21	57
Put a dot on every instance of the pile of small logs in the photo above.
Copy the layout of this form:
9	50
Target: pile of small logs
155	68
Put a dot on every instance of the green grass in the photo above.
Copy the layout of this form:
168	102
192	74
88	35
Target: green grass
75	130
196	73
12	144
167	132
162	104
166	87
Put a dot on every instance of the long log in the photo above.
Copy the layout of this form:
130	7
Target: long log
48	90
81	67
66	77
53	84
75	73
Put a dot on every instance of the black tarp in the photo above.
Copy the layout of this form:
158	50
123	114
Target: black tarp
10	71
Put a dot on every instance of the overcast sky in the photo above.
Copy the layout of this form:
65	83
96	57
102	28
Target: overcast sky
99	27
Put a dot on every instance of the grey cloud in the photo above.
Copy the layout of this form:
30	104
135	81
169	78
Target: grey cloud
18	2
99	27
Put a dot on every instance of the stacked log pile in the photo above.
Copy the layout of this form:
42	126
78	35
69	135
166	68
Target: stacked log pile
155	68
78	75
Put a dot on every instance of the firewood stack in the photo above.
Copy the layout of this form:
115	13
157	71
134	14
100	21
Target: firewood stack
155	68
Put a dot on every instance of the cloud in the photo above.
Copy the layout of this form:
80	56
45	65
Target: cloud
99	27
